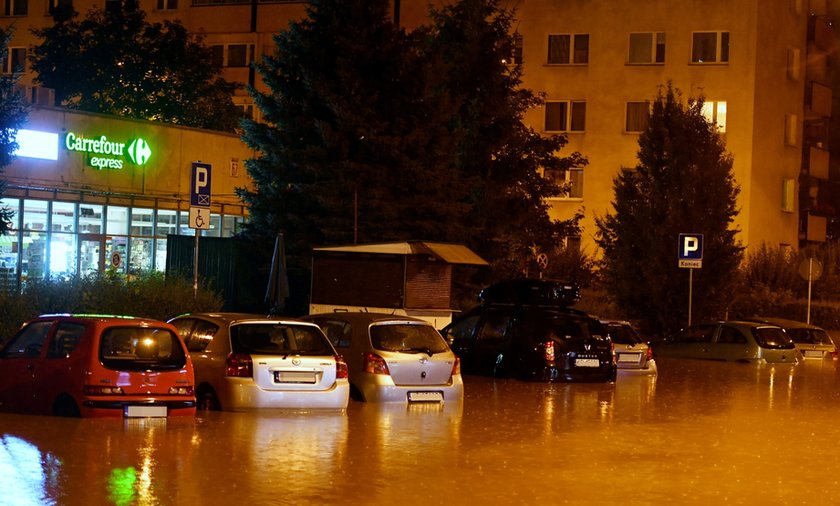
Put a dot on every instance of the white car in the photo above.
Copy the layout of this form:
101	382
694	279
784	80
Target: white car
245	361
631	351
394	358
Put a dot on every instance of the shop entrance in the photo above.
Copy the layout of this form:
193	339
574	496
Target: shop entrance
91	253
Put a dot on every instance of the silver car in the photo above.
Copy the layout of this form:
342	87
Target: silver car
631	351
810	340
739	341
245	361
393	358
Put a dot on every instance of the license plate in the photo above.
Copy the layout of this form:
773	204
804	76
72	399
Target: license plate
145	412
305	377
629	357
587	362
425	396
813	353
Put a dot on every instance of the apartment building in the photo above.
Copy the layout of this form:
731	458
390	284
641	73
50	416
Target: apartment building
762	66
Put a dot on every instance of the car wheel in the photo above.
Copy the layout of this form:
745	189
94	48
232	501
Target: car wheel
207	401
65	406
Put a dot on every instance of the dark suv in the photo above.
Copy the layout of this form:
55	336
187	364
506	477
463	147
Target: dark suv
516	332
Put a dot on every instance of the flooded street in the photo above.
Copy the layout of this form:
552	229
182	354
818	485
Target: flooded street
699	433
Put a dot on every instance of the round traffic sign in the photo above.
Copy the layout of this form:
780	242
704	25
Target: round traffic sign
810	269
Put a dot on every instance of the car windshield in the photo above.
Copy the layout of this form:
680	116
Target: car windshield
809	336
278	339
772	337
407	338
141	349
623	334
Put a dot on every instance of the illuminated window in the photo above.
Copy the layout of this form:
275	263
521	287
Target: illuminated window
565	116
791	129
646	48
710	47
638	114
793	63
567	48
715	113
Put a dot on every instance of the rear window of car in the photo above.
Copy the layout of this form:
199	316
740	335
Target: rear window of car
278	339
809	336
141	349
623	334
539	325
407	338
772	337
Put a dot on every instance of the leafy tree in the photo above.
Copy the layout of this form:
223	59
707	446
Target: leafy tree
354	147
13	112
659	199
113	61
497	154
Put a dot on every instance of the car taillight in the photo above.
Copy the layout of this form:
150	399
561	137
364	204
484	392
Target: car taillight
340	367
102	390
649	354
456	367
182	390
374	364
833	354
548	348
239	365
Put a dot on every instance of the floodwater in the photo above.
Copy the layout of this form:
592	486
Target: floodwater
698	433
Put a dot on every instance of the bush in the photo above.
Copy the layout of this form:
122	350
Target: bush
151	295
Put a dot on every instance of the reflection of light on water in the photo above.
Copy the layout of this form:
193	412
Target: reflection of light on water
781	371
22	476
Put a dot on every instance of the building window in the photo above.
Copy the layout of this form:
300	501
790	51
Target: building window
715	113
565	116
167	5
793	63
246	110
571	179
710	47
516	50
232	55
638	114
791	129
60	6
646	48
566	48
15	7
14	61
788	195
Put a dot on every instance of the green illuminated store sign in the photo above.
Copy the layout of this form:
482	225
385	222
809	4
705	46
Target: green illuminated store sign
104	153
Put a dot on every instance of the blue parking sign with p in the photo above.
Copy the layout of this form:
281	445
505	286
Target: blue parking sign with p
200	185
691	251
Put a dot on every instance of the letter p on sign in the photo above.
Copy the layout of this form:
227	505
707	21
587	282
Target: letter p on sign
200	185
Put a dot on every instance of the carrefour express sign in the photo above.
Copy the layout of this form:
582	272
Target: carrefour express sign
104	153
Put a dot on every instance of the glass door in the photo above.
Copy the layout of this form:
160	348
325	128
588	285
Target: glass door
91	254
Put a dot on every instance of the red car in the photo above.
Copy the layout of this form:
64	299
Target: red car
96	366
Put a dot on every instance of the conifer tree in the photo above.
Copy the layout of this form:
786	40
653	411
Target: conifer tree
683	183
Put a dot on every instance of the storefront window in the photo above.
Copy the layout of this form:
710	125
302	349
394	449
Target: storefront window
63	217
14	206
90	219
117	221
160	255
62	255
33	255
215	226
140	256
167	222
116	248
231	225
35	215
142	222
9	248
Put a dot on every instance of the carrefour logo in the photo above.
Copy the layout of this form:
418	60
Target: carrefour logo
105	153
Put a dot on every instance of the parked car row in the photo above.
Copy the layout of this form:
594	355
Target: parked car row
101	365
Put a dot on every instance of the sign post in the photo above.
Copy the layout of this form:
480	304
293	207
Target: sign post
690	256
199	208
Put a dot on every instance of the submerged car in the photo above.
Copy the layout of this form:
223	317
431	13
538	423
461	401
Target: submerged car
245	361
529	333
631	351
393	358
96	366
810	340
740	341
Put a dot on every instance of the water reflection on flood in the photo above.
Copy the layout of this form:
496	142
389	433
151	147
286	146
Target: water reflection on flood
699	432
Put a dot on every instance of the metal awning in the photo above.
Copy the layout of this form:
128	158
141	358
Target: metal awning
448	252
